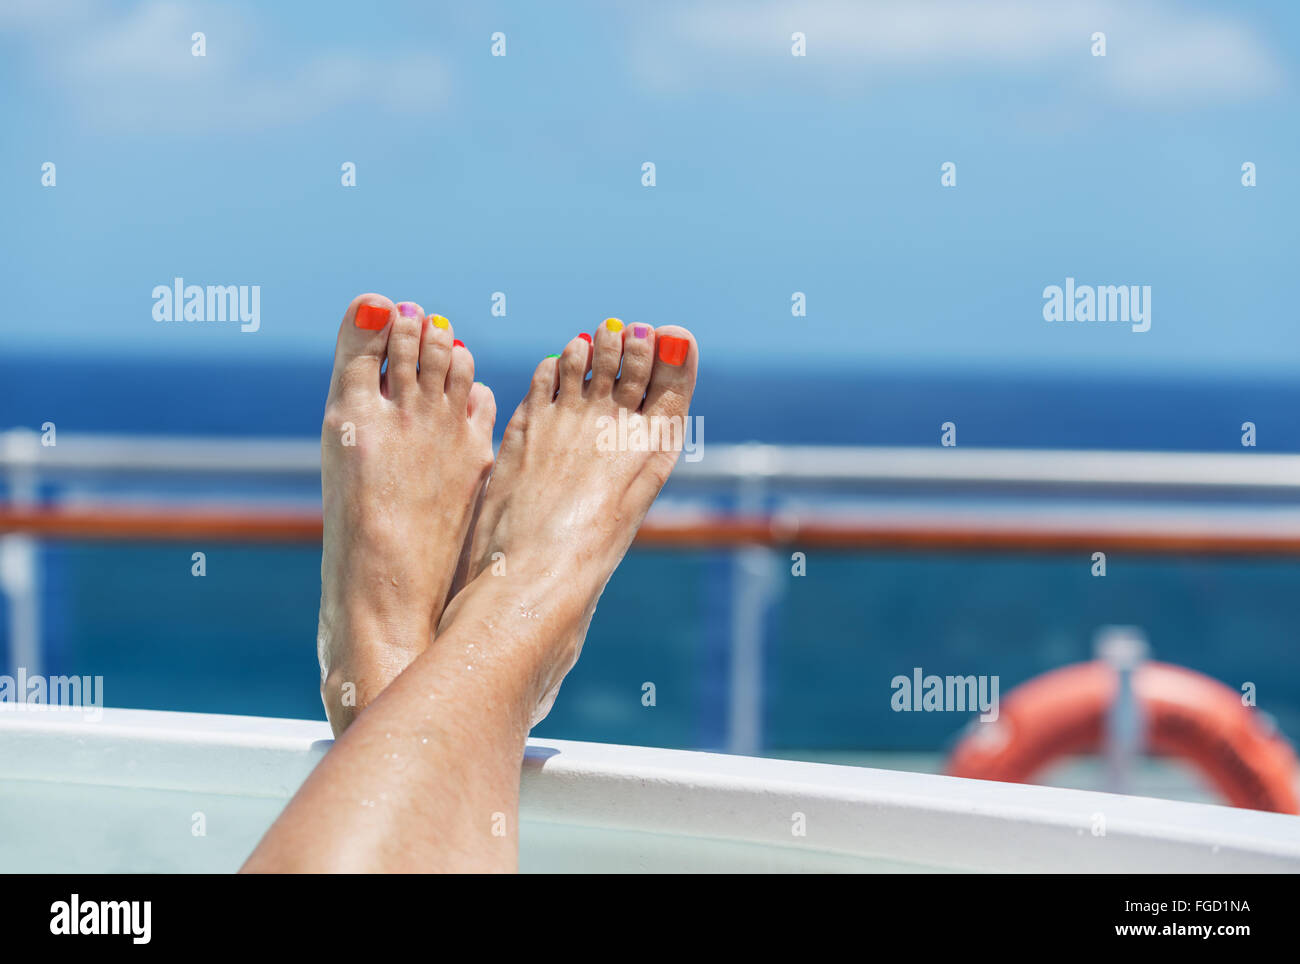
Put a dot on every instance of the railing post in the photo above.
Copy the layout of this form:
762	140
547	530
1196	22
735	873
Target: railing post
1123	648
751	589
19	564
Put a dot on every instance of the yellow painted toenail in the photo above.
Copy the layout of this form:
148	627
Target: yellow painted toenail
439	321
613	324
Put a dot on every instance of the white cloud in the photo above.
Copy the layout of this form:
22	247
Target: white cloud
133	70
1200	59
1155	51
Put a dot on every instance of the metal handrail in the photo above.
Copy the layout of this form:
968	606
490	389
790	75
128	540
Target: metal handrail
757	477
1154	534
834	466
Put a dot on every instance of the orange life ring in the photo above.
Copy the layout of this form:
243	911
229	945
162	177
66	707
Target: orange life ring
1185	714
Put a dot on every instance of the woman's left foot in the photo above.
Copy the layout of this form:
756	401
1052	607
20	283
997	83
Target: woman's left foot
405	450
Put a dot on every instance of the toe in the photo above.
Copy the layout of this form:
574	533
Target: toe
575	360
638	360
546	380
460	376
482	408
361	346
606	356
672	380
404	350
435	354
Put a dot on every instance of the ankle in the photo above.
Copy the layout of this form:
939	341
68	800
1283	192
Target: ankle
530	624
371	631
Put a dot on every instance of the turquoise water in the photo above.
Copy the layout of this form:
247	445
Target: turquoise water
242	639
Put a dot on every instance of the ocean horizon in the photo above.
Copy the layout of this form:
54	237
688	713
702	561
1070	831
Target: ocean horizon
886	405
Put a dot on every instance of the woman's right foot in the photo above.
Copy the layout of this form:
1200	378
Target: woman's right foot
579	465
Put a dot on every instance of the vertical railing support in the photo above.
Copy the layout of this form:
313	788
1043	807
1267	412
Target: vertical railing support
751	594
1123	648
19	563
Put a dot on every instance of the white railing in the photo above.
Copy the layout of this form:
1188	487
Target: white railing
854	467
1256	508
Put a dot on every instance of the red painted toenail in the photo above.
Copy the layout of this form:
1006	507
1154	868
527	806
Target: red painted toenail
457	343
371	317
672	350
585	337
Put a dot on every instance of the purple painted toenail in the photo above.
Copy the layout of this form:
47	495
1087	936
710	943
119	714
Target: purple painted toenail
408	310
641	331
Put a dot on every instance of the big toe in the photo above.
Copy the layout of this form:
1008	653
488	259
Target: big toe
362	345
672	379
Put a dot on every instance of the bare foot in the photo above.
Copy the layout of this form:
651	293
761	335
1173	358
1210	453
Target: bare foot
579	465
428	777
404	455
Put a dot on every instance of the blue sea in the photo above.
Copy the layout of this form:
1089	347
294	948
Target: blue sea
889	406
242	639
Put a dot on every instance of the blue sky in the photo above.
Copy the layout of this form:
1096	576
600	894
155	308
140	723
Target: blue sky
775	174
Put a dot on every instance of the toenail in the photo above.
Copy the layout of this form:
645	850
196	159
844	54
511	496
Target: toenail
371	317
457	343
439	321
672	350
613	324
585	337
556	355
641	331
408	310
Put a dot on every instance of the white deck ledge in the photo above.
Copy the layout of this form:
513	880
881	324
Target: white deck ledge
604	807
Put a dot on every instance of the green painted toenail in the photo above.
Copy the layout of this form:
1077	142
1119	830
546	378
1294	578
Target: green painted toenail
556	355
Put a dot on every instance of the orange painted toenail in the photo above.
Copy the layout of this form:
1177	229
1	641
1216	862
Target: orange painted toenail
371	317
457	343
585	337
672	350
439	321
613	324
